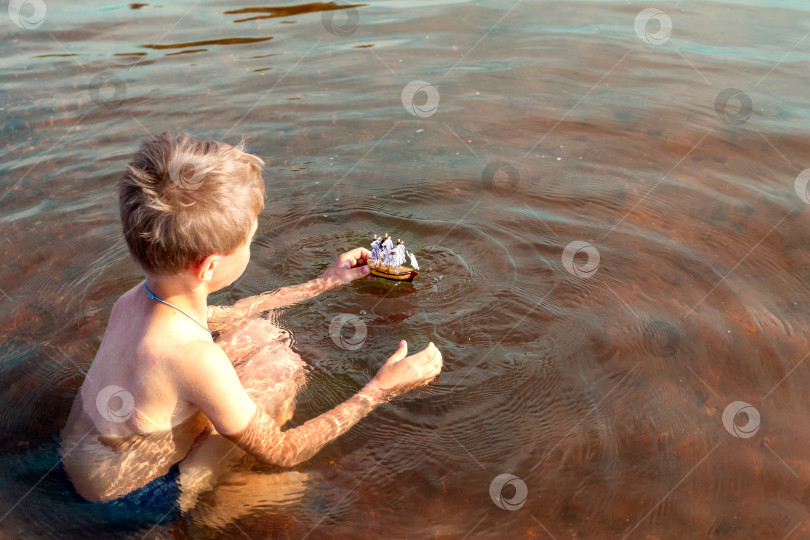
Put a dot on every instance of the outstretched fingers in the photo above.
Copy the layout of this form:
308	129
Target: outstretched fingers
428	355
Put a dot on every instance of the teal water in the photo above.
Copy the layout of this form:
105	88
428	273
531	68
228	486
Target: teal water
597	375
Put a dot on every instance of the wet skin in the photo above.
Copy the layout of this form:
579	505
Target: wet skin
106	466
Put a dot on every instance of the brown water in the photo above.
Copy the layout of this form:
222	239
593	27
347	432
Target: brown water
601	387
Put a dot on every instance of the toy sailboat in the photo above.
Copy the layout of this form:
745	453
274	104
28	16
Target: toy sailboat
386	260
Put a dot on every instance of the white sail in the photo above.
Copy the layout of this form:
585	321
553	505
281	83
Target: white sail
398	256
414	264
375	249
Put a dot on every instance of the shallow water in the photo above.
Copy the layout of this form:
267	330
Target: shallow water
601	385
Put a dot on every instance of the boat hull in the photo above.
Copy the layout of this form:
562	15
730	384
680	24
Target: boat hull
394	274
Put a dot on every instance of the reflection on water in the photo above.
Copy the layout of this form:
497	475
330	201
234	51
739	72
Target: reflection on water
271	12
609	215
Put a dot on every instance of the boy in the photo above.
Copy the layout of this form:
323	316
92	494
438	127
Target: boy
158	382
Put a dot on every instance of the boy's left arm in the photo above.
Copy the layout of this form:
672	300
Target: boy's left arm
348	267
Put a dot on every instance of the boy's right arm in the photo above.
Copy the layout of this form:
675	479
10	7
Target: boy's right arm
212	384
349	266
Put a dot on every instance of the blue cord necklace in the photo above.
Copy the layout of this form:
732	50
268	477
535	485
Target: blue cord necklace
153	297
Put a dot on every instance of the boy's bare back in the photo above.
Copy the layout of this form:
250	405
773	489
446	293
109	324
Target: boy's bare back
142	358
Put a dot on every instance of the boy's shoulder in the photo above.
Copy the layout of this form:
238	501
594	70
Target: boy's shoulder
124	301
133	326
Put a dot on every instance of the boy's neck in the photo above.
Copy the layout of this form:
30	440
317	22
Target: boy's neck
182	292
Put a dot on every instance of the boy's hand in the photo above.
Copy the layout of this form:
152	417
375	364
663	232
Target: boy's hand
348	267
401	373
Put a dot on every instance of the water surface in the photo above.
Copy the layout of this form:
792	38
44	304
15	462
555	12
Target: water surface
601	385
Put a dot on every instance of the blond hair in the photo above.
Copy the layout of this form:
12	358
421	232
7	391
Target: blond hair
182	200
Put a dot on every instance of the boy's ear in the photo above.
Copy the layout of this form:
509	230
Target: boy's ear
205	269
